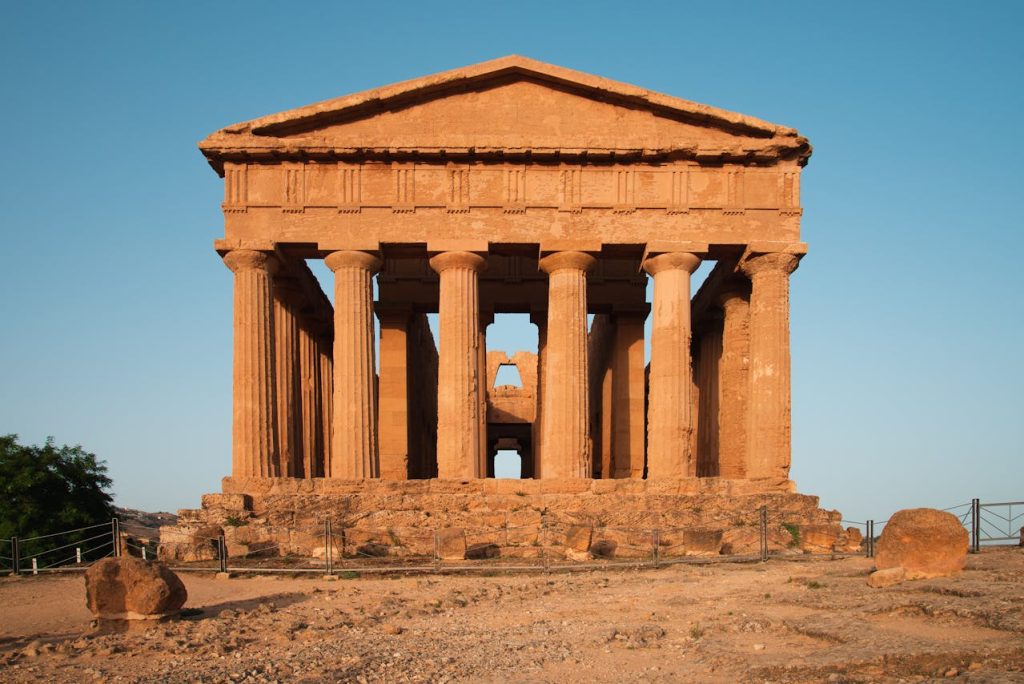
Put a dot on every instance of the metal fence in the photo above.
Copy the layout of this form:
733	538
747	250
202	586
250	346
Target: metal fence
347	550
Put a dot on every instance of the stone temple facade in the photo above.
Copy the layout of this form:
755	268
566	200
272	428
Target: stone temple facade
511	186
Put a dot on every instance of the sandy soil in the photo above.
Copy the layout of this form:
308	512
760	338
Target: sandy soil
782	621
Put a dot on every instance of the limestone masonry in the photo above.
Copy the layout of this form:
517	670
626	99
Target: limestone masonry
511	186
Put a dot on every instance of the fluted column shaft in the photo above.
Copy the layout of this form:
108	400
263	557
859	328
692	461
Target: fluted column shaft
669	417
768	413
254	412
459	370
354	448
540	319
310	413
326	371
708	359
733	385
566	426
286	369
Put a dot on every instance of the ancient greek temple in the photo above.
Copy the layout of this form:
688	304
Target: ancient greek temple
511	186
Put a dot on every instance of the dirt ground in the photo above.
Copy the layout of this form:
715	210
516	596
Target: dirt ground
781	621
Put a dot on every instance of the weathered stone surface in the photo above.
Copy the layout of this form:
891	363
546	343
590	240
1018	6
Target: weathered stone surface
887	577
697	542
483	551
578	538
923	541
188	543
451	544
128	588
819	538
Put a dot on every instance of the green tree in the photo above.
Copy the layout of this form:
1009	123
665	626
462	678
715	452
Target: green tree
48	489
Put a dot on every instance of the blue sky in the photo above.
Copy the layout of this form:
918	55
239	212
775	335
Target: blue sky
907	318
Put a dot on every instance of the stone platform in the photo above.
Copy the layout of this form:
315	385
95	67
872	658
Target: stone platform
571	519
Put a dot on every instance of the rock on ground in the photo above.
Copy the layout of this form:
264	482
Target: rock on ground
923	541
128	588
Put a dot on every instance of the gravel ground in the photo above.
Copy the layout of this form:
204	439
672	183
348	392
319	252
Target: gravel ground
782	621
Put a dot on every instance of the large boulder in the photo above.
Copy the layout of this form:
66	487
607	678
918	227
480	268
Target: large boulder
924	542
129	588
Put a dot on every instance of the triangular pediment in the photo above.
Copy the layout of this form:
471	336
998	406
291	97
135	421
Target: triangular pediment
508	106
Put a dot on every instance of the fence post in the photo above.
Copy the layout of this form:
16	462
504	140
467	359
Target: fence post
35	567
115	537
222	552
437	552
78	555
870	546
328	546
764	533
976	525
543	544
15	561
656	542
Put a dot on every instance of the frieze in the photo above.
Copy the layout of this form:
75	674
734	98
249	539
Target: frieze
405	187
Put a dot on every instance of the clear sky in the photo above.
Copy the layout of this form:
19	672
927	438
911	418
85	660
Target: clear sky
907	315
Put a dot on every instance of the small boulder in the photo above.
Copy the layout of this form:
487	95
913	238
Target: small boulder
923	541
887	577
129	588
578	537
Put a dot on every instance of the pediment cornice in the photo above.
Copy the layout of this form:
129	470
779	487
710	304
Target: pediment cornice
298	134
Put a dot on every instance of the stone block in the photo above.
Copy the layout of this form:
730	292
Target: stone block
482	551
887	578
819	538
236	503
451	543
702	542
578	537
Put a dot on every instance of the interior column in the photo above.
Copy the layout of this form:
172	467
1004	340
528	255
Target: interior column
458	390
669	422
393	398
628	419
310	409
733	384
768	413
354	448
254	410
286	367
566	413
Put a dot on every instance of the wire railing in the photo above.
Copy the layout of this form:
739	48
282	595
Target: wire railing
554	543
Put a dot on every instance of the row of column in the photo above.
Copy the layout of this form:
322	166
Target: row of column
262	450
283	375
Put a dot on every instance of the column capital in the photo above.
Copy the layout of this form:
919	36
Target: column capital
686	261
466	260
353	259
559	261
250	260
772	262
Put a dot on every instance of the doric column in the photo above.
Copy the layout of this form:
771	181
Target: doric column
254	415
286	368
458	387
733	384
311	416
628	387
486	318
566	412
540	319
394	393
708	356
354	448
325	348
669	422
768	412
